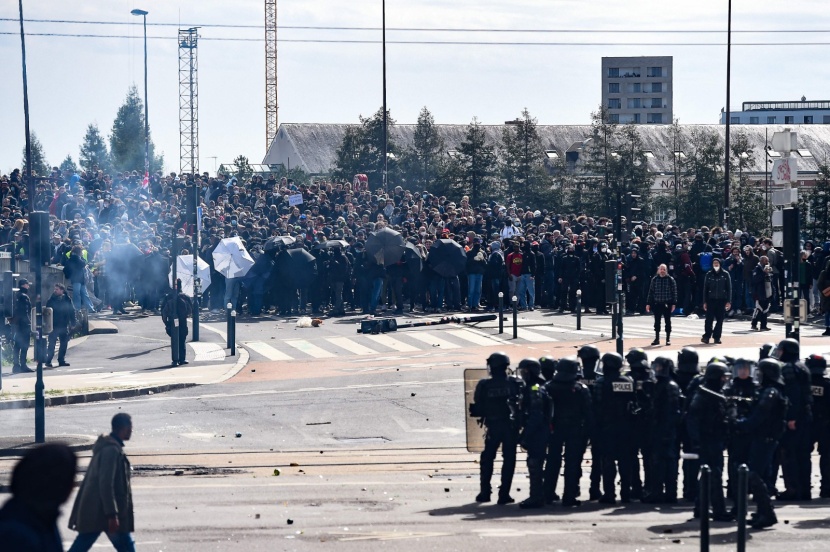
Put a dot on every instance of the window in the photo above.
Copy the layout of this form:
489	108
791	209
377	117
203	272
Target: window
654	72
614	118
613	72
656	103
771	120
826	120
633	103
613	88
804	153
551	154
637	120
655	118
808	119
635	88
649	154
614	103
735	120
753	120
680	155
657	88
789	120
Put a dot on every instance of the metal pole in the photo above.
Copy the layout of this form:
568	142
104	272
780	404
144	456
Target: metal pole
703	506
515	317
147	116
620	309
174	333
228	309
232	334
501	312
197	282
788	294
579	309
385	122
725	214
743	487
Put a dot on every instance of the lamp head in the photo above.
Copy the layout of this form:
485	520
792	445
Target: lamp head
139	12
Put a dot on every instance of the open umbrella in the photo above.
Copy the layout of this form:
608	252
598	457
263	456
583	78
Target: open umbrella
386	246
231	259
332	244
298	266
275	242
184	271
447	258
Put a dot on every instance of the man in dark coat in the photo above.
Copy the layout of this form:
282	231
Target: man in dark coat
21	327
63	319
105	500
183	308
717	294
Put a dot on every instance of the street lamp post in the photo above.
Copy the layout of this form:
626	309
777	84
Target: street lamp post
385	121
143	14
725	214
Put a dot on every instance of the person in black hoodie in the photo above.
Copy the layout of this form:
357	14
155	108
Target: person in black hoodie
717	294
63	319
476	267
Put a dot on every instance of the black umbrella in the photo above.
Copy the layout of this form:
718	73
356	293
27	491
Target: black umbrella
332	244
413	257
300	266
447	258
275	242
386	246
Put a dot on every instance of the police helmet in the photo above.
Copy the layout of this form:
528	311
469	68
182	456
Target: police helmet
739	363
567	370
663	366
611	363
716	370
588	352
529	366
765	350
498	362
769	372
548	366
787	350
637	359
817	364
687	360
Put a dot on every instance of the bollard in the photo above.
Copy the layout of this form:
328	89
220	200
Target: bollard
232	334
228	310
703	505
743	488
579	309
174	342
501	312
515	317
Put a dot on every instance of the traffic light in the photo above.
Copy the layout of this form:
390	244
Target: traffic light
7	294
40	251
792	242
632	209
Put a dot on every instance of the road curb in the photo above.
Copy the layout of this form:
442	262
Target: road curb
244	357
96	396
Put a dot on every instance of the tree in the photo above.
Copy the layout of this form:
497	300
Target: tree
749	210
426	154
596	196
478	162
523	167
361	151
94	151
670	202
68	164
243	168
702	199
127	138
816	207
39	165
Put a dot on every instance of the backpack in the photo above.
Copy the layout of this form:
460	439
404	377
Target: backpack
706	261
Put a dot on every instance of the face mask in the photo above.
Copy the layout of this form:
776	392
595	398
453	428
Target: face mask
717	268
604	249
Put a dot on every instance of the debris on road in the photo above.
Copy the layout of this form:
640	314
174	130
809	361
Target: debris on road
290	521
238	435
276	471
294	465
318	423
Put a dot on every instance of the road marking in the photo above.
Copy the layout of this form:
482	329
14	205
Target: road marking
309	348
266	350
572	332
532	336
430	339
477	338
392	343
349	344
207	351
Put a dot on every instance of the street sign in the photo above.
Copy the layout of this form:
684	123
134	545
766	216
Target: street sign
785	170
787	196
778	218
475	432
778	238
788	311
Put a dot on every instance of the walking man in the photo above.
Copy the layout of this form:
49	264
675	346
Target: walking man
105	500
63	319
662	297
717	294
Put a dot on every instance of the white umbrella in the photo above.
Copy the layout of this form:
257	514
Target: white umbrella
184	268
231	259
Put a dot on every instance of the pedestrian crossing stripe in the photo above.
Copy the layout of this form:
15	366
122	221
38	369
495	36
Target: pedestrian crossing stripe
476	338
267	351
528	335
432	340
393	343
309	348
351	346
204	351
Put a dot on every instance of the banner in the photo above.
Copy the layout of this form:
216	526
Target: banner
295	199
785	170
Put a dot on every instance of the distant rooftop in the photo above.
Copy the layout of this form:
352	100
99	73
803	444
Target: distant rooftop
788	106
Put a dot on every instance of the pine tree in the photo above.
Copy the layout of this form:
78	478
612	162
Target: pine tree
243	168
94	151
127	138
39	165
702	200
428	150
749	210
478	162
596	194
68	164
361	152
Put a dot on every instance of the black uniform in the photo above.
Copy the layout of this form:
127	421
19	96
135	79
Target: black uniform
536	406
22	330
613	400
63	319
687	371
743	392
665	418
642	417
821	419
795	444
571	425
183	309
492	401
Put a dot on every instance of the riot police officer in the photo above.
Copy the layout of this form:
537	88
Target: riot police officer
589	356
663	432
548	367
707	422
820	437
741	391
536	428
765	350
571	425
497	401
613	401
687	372
765	425
21	327
640	372
795	444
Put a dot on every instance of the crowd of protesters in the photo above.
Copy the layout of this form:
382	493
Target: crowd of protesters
538	255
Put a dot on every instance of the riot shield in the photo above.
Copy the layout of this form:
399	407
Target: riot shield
475	432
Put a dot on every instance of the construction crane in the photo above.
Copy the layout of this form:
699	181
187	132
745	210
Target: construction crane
270	72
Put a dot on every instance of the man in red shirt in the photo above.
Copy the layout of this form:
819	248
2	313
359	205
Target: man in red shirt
515	260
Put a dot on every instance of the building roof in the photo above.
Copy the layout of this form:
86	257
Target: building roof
313	146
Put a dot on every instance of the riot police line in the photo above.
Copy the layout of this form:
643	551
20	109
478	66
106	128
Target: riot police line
767	413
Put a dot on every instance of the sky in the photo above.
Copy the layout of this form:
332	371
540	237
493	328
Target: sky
75	81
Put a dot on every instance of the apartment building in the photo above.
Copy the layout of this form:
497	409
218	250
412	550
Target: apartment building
638	89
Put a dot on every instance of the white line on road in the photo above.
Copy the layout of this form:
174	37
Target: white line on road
477	338
309	348
527	335
266	350
207	351
392	343
349	344
432	340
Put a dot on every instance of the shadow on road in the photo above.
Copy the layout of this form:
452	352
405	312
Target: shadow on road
138	354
